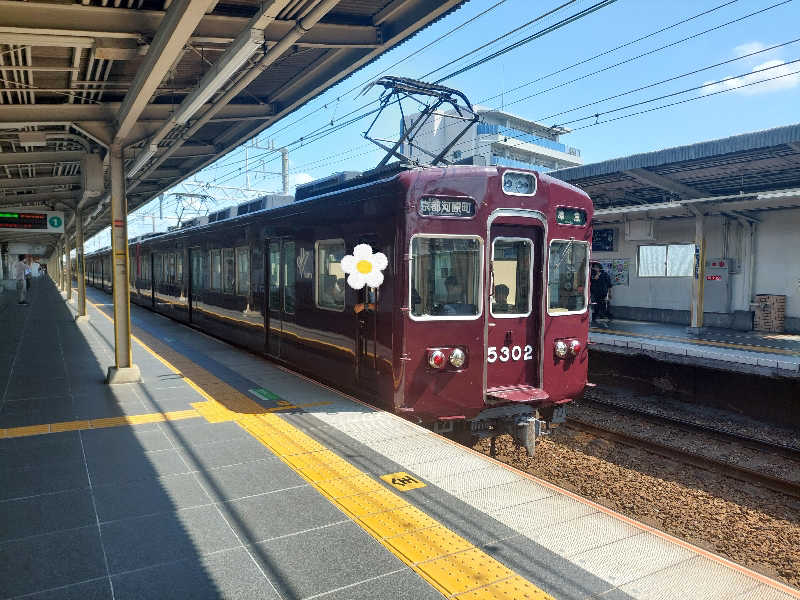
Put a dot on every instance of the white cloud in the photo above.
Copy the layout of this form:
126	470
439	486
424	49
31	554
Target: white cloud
748	48
300	178
775	68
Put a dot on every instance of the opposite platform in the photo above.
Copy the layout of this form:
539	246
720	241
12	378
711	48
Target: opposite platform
772	355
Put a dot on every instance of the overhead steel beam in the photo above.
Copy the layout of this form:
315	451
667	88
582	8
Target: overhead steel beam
416	17
174	31
664	183
37	182
28	158
97	22
24	115
39	198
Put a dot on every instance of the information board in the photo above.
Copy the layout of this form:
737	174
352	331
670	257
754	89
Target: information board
31	220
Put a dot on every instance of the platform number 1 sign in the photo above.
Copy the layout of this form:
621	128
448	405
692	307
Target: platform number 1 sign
402	481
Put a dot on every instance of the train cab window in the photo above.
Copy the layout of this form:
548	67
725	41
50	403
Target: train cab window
566	285
216	270
445	277
228	270
243	271
512	273
330	277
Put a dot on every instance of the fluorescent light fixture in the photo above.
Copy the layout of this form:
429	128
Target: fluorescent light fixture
242	48
141	160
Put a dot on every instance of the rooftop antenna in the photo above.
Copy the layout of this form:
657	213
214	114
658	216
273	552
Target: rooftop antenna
398	89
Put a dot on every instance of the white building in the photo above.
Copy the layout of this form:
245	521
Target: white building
499	138
736	200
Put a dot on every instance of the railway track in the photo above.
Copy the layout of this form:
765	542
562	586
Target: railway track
777	484
784	450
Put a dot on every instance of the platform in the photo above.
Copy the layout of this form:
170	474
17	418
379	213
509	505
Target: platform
770	354
223	475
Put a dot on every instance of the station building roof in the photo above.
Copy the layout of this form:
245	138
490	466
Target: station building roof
742	170
176	83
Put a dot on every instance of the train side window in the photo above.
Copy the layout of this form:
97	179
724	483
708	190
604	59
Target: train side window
274	276
330	284
197	270
158	268
289	276
179	267
566	283
228	270
446	277
511	268
216	270
170	278
243	271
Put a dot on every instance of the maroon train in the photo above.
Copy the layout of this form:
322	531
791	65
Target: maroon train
474	320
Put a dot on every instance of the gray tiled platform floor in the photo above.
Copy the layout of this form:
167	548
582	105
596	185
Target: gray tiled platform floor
181	509
569	548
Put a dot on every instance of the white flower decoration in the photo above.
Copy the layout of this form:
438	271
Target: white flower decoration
363	267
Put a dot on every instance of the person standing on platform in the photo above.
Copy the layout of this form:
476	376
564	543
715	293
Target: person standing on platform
600	290
19	274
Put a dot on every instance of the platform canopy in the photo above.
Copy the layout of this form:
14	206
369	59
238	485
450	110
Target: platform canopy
752	171
175	83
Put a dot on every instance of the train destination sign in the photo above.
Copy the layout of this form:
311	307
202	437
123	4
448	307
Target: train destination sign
432	206
33	221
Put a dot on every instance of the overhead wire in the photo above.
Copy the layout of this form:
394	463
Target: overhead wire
308	139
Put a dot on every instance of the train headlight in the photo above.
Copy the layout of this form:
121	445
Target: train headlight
436	359
561	349
457	358
575	347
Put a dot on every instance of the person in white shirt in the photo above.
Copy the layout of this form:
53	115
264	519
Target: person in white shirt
19	274
36	268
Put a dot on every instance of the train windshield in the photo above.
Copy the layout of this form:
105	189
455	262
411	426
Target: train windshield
566	285
446	277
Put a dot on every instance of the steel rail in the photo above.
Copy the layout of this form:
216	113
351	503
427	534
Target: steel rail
734	471
785	450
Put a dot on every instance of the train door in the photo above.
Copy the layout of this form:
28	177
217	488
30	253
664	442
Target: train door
366	311
513	318
280	277
194	278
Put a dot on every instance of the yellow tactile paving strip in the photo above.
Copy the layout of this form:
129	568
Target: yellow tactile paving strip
158	417
450	563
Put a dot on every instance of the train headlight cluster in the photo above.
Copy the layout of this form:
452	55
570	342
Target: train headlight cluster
520	184
457	358
447	358
567	348
436	359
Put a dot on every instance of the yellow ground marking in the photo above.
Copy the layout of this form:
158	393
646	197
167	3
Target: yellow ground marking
402	481
729	345
177	415
450	563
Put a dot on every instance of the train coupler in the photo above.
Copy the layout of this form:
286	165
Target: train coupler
526	430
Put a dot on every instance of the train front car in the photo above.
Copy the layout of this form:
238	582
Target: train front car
494	340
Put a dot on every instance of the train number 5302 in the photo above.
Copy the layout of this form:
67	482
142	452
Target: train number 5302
506	354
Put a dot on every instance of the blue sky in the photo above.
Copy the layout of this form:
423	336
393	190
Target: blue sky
710	115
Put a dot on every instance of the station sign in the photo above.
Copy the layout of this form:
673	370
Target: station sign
32	220
434	206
